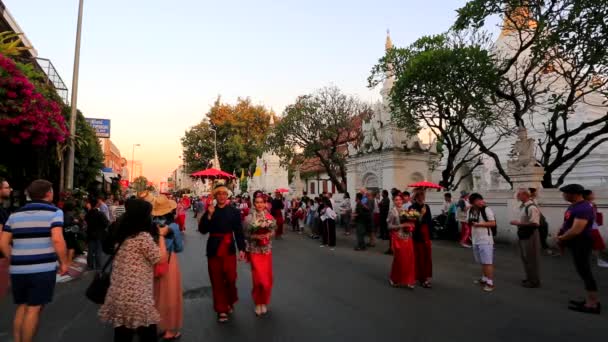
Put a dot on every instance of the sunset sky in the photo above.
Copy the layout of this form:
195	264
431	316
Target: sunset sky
154	67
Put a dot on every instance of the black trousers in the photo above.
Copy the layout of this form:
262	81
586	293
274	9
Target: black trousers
581	248
329	232
383	226
145	334
544	233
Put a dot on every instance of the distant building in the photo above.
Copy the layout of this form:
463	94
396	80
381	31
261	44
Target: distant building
111	156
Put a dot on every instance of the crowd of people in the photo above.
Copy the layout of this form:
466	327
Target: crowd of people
140	237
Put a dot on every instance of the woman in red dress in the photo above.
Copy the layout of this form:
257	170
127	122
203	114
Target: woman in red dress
403	271
260	226
422	239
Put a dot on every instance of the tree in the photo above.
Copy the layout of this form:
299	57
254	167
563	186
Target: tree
442	83
558	60
319	125
241	129
140	184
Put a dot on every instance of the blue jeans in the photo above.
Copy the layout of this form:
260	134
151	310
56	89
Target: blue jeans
96	258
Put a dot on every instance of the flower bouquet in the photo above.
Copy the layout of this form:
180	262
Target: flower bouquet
262	226
410	217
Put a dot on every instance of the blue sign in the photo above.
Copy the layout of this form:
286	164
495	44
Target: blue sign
101	127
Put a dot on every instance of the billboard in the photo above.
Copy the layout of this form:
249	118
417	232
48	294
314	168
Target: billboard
101	127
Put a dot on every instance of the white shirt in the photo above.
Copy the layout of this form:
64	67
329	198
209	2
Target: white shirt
463	214
328	213
481	235
406	205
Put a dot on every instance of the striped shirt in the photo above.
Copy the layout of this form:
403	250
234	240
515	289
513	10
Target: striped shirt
30	226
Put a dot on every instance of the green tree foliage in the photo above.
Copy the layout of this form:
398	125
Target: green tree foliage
319	125
241	129
558	61
140	184
443	83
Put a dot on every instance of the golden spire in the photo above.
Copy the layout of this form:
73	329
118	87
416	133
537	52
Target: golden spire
389	42
518	19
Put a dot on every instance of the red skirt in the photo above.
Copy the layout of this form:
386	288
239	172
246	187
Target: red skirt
423	256
261	272
181	221
598	240
278	216
403	270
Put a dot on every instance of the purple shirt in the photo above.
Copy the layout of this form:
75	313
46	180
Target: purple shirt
581	210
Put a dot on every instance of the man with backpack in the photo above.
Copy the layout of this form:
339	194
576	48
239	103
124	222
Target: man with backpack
482	221
529	238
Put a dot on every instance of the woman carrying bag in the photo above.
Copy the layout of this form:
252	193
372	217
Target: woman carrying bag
168	278
129	303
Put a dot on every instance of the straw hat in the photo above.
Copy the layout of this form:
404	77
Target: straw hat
146	196
161	205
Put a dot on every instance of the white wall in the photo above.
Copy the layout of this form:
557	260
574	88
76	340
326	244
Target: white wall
506	208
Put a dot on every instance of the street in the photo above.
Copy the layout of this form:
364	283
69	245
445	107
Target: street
344	296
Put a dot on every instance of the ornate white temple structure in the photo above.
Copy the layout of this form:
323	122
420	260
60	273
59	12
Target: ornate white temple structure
591	171
269	174
387	157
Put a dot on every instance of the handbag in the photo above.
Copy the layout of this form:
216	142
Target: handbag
96	292
161	268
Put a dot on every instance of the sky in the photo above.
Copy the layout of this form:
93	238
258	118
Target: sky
155	67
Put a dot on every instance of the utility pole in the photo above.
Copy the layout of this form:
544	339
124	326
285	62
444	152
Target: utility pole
69	174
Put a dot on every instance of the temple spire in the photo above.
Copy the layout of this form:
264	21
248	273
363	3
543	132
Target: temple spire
389	42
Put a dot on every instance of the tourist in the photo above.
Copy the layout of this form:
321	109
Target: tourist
315	226
371	225
180	215
575	234
5	194
529	238
195	207
260	227
223	223
328	224
362	219
403	270
482	222
33	257
407	200
449	210
384	208
543	229
346	211
319	209
305	198
119	209
129	303
97	230
168	297
277	207
103	206
422	239
71	228
462	211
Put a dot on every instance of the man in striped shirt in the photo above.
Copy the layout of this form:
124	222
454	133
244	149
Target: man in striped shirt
33	239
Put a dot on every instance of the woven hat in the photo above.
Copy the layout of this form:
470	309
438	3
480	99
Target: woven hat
161	205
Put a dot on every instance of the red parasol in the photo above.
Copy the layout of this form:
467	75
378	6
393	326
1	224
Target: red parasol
282	190
213	174
426	185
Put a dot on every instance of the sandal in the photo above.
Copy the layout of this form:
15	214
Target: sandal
222	317
427	285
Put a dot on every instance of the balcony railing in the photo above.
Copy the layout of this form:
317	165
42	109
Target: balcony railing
53	77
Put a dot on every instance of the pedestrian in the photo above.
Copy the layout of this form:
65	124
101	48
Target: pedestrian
129	303
384	208
543	228
180	214
407	200
97	230
403	269
168	297
328	224
5	194
195	207
294	207
482	221
362	219
462	214
575	234
422	239
71	227
32	238
374	218
119	209
103	206
277	207
598	241
346	211
450	209
223	223
529	238
260	227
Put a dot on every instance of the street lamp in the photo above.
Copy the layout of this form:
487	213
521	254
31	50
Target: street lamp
133	162
216	159
69	174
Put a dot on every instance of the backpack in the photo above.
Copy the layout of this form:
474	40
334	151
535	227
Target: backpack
494	229
543	224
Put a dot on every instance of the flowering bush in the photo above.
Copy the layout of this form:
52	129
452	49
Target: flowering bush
26	115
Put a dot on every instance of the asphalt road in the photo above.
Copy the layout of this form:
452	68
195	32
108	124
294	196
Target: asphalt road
343	295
